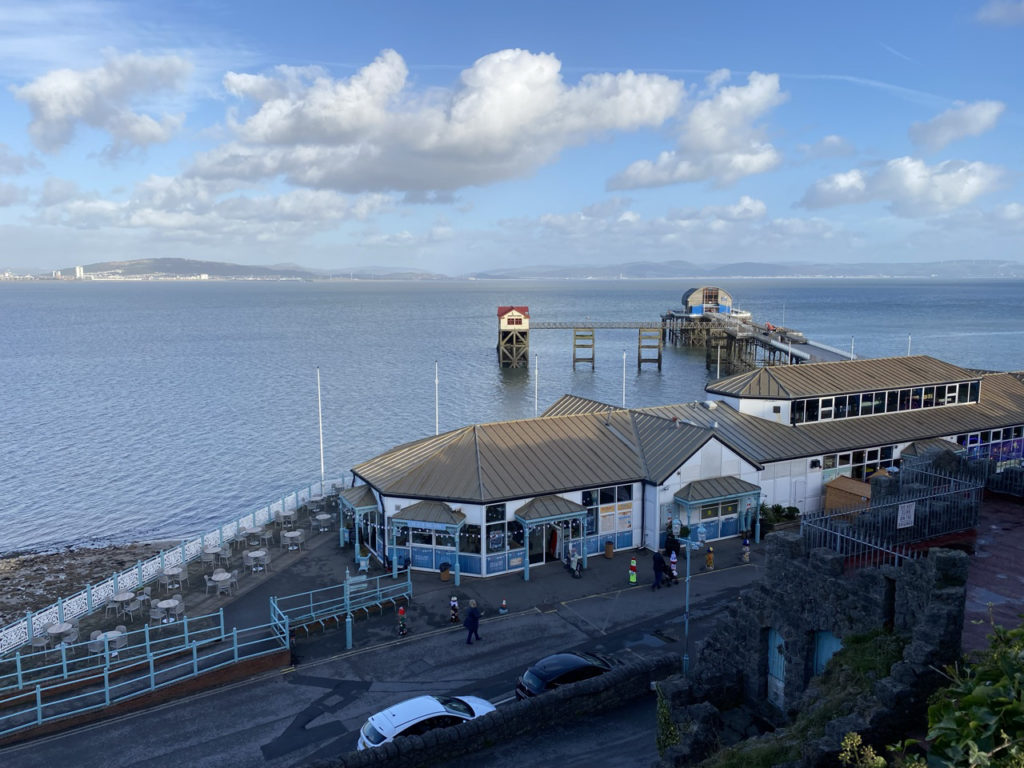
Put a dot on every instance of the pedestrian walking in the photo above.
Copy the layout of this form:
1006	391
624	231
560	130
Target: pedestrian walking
472	623
454	610
659	570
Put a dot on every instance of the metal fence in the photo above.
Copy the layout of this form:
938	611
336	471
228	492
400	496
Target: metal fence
95	596
923	503
90	678
340	601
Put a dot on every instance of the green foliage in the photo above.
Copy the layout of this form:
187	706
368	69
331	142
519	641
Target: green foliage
791	513
759	754
978	720
856	754
668	732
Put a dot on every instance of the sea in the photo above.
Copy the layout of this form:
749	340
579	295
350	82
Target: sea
139	411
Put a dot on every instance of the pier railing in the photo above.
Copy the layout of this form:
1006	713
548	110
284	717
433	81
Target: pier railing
96	596
89	676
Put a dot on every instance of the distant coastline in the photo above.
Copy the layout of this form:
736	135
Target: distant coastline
148	270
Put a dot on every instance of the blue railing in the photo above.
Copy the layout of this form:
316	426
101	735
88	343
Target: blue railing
95	596
135	669
340	601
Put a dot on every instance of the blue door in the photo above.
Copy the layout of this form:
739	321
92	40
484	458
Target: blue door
825	646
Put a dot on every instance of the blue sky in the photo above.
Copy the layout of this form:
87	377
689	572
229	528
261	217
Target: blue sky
457	137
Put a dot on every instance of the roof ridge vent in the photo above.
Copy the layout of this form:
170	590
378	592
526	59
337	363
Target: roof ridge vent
710	404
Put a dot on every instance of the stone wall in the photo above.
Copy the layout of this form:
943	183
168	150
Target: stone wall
512	720
804	592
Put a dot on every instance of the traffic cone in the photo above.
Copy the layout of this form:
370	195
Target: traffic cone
504	607
632	570
402	629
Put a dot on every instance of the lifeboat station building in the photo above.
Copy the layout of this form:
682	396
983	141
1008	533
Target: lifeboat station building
488	499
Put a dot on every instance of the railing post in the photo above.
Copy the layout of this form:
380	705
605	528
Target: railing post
39	704
234	641
152	673
149	649
184	624
348	631
220	619
88	597
17	667
28	621
195	660
106	681
182	553
60	609
64	660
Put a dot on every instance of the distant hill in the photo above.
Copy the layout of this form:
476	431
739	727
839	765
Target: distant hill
183	268
635	270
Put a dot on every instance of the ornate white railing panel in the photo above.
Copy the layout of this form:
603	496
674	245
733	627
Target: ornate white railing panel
96	596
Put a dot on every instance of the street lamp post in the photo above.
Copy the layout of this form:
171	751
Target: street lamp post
686	616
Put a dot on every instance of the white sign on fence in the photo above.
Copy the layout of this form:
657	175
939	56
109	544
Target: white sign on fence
905	515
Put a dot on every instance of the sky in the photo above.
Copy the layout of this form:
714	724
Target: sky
457	137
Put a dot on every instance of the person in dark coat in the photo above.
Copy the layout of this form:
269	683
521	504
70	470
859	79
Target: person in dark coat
472	623
659	570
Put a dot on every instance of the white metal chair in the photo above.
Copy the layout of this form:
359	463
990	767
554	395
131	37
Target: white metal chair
132	608
223	587
210	583
156	616
233	581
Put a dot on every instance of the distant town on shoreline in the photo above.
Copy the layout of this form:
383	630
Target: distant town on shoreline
188	269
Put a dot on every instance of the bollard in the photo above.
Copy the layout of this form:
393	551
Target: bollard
348	631
632	570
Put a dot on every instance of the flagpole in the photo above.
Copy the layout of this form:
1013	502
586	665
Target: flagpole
320	418
436	417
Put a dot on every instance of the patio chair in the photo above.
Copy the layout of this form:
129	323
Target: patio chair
121	640
95	642
41	642
210	584
246	560
266	538
165	582
223	587
233	581
178	611
132	608
209	559
144	596
266	560
69	640
112	606
156	615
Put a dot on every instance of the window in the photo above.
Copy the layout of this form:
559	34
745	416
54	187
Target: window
929	397
811	410
915	398
401	535
853	405
826	408
469	539
892	402
973	394
502	534
708	511
609	509
904	399
796	412
422	536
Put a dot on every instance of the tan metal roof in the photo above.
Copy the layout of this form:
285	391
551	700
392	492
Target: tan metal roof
493	462
511	459
568	405
715	488
549	508
433	513
923	447
359	497
787	382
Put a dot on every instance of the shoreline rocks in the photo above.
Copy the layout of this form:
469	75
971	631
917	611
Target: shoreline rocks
30	581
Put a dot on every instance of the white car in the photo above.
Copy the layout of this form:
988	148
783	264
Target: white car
419	715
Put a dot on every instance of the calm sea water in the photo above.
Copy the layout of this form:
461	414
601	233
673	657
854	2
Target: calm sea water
143	410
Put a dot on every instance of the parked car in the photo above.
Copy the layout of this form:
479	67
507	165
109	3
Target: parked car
419	715
561	669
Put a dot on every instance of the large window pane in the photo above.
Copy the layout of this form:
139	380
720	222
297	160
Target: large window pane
422	536
496	537
495	513
516	536
589	498
708	511
469	539
608	495
796	413
811	411
892	402
625	493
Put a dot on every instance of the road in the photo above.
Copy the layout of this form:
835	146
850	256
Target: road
315	709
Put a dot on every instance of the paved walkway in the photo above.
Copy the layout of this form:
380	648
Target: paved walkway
995	585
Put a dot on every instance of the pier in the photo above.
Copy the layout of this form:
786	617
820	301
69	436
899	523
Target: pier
732	340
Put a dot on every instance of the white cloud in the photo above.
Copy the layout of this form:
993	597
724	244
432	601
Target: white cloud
911	187
719	141
102	98
14	164
1002	12
11	194
746	208
200	211
57	191
828	146
959	122
510	113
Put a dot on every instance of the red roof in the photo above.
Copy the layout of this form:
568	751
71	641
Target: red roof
524	311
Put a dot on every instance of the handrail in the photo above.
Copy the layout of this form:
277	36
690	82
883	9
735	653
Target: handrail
190	662
95	596
338	599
